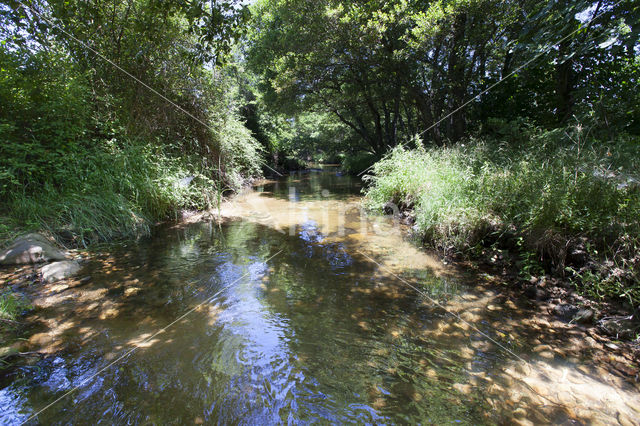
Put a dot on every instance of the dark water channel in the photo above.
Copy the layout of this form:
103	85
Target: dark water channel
300	326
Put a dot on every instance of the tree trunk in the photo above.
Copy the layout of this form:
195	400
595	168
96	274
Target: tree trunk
564	84
457	123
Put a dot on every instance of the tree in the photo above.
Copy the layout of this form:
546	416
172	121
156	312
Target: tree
389	70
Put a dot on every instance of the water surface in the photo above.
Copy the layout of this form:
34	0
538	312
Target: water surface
294	324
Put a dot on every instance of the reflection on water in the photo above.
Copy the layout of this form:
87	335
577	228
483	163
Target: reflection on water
316	334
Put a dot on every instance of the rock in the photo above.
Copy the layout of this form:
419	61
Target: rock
584	316
620	327
59	270
537	293
31	248
8	351
624	420
590	342
565	311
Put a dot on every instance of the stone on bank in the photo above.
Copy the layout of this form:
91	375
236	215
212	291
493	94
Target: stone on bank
31	248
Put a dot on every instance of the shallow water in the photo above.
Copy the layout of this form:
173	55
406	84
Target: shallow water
293	323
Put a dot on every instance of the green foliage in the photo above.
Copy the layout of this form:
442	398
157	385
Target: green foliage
89	152
114	192
42	118
390	70
539	196
240	152
11	306
358	162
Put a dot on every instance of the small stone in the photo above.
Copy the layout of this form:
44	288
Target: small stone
7	351
542	348
584	316
465	389
537	293
620	328
624	420
590	342
131	291
519	413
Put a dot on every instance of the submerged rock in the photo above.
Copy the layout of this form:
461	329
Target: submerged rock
59	270
620	327
31	248
584	316
565	311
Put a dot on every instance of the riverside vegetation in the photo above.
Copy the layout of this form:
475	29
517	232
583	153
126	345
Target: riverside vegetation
504	124
507	126
559	203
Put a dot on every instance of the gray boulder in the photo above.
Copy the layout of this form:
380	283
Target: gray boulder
57	271
31	248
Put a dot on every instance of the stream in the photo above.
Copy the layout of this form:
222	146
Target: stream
298	307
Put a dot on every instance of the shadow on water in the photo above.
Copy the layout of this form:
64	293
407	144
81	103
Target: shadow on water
319	333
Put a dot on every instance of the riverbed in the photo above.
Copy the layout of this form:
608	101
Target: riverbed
291	304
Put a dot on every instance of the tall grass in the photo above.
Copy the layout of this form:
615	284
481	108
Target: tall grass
114	191
546	193
11	306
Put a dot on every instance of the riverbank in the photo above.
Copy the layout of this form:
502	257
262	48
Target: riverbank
546	209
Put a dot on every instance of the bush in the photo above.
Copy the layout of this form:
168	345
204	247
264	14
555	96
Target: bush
68	165
356	163
544	195
114	192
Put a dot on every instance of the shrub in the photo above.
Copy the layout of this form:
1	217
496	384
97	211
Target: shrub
542	195
357	162
69	165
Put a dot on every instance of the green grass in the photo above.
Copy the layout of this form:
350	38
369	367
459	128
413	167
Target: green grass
541	196
113	192
11	306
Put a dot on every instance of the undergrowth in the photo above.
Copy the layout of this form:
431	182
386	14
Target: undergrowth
11	306
559	200
358	162
117	191
77	163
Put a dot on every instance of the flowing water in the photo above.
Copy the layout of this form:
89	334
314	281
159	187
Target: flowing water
299	317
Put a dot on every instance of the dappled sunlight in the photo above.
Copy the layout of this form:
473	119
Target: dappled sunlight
336	221
329	328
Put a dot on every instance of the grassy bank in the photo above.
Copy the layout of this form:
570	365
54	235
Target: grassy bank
11	306
87	161
560	202
116	191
